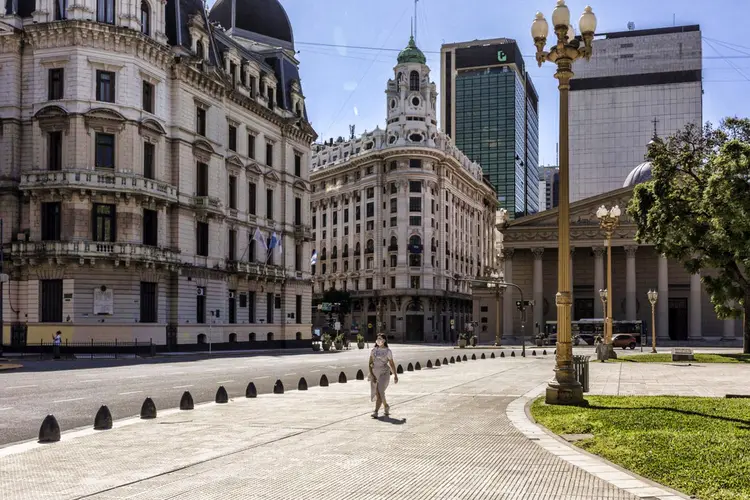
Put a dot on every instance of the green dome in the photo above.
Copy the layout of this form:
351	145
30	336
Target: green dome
411	54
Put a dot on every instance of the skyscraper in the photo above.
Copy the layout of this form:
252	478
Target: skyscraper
489	107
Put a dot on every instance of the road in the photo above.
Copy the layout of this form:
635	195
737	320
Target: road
73	392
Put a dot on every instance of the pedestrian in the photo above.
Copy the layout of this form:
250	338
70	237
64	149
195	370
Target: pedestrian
56	342
381	367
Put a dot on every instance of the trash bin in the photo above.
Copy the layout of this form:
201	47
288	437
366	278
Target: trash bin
581	367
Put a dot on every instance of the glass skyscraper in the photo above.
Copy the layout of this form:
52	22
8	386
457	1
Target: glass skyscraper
489	107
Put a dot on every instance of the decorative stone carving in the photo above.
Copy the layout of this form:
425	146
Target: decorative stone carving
599	251
630	250
537	252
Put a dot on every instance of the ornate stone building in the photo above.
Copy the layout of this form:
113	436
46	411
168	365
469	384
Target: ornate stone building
401	217
143	143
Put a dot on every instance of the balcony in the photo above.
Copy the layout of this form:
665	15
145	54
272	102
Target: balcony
92	250
99	181
209	205
256	270
302	232
369	251
233	213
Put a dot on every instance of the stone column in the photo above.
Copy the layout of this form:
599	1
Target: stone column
599	253
630	284
508	302
662	304
696	304
538	289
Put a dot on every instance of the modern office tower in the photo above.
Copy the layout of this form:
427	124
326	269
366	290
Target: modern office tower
638	83
549	187
489	107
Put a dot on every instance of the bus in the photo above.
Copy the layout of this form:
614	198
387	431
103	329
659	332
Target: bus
585	330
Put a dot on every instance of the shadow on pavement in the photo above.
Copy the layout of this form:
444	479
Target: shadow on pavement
394	421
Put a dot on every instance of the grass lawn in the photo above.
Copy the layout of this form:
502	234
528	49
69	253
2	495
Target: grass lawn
666	357
700	446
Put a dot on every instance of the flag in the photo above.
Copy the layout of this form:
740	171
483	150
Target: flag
274	241
314	258
281	251
259	237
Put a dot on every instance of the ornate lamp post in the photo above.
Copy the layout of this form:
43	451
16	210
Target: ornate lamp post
496	282
564	388
609	219
652	297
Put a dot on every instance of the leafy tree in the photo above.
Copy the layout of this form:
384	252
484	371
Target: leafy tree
696	209
343	298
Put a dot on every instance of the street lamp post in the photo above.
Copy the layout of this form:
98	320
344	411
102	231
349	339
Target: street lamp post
652	298
496	283
564	388
609	219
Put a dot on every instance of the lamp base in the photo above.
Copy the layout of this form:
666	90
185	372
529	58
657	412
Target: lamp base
564	389
610	352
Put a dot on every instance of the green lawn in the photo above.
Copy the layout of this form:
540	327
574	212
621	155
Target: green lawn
666	357
700	446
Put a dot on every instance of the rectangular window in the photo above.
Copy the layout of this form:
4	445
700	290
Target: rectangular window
150	227
51	301
243	296
415	163
148	97
251	248
251	307
335	218
393	282
298	165
105	11
277	302
61	10
201	188
105	86
415	186
394	205
370	193
269	203
232	138
55	84
269	308
269	154
251	200
370	225
149	154
346	216
325	220
149	302
201	239
371	209
251	86
415	281
200	305
105	150
232	306
251	146
415	204
415	220
200	121
233	192
298	257
104	222
51	221
394	221
298	310
368	284
232	254
394	259
54	151
298	211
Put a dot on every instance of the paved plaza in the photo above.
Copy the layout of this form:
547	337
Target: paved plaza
457	431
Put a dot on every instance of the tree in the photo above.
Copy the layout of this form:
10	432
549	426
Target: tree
341	297
696	209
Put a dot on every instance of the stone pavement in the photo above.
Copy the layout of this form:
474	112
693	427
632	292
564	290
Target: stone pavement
453	433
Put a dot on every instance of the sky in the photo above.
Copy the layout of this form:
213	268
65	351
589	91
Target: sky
345	86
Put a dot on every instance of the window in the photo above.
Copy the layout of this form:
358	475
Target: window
232	138
251	85
149	152
201	239
298	165
394	221
61	10
394	260
370	193
368	284
251	307
145	18
105	150
232	306
269	203
415	163
297	211
147	97
232	254
105	85
414	81
55	84
251	199
251	146
51	221
149	310
199	51
357	213
298	257
233	192
370	209
251	248
415	281
200	121
54	151
346	216
394	205
393	282
298	309
271	98
150	227
371	225
269	308
269	154
202	180
105	11
104	222
51	301
415	186
415	204
200	303
415	220
335	218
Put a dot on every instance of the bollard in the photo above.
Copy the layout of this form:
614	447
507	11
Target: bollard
458	359
400	369
445	361
492	355
483	356
429	364
523	354
103	419
533	352
302	386
437	362
49	432
453	360
148	409
512	354
360	375
410	368
473	357
465	357
278	387
251	391
323	381
544	352
186	401
417	366
221	395
342	378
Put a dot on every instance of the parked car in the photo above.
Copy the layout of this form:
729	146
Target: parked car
624	340
584	338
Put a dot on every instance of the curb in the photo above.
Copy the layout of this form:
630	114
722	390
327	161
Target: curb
520	416
9	367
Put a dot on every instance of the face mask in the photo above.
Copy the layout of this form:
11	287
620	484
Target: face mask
380	342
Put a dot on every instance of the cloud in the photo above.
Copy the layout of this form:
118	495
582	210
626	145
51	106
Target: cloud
356	111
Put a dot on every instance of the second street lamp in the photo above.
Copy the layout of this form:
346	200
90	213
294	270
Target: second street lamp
609	219
652	298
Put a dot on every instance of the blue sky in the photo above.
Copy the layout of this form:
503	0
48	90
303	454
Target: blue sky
346	86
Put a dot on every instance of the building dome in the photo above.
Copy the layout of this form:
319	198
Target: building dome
266	18
411	54
638	175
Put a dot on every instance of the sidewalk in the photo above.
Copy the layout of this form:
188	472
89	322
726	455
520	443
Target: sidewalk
451	435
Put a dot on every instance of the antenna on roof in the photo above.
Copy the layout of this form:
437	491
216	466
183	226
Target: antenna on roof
656	134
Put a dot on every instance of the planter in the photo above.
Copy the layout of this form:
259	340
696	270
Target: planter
462	343
326	346
361	345
316	346
339	345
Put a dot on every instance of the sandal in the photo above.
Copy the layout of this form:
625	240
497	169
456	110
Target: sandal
375	414
387	411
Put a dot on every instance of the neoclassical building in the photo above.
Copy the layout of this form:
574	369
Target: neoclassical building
684	312
143	144
401	218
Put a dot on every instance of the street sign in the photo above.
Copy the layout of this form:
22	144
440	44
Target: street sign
453	322
369	325
337	326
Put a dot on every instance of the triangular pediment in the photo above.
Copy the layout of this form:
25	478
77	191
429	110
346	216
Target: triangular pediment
271	176
252	168
300	185
202	145
235	161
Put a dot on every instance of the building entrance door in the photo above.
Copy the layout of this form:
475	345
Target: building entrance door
583	309
414	328
678	319
371	324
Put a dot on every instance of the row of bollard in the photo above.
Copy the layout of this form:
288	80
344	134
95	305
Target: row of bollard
49	432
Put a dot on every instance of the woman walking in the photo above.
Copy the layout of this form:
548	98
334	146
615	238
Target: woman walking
381	367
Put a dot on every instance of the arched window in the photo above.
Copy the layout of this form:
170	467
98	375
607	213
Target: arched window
201	338
323	254
199	50
414	81
334	252
398	83
252	337
298	335
370	247
357	249
105	11
394	243
346	268
415	240
269	337
346	250
415	251
232	338
145	18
